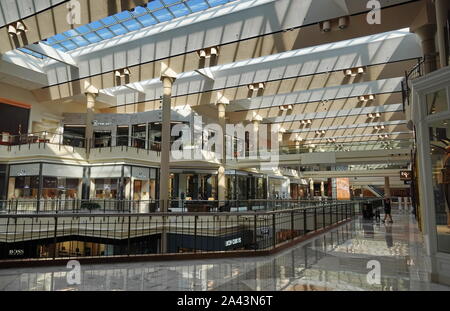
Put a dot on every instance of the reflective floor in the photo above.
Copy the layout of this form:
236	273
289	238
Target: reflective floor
347	258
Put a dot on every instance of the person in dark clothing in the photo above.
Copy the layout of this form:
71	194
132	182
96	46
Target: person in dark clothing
387	210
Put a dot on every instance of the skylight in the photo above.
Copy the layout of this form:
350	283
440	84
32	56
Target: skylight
154	12
32	53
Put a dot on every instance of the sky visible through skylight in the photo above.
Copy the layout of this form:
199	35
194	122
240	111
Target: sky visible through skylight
154	12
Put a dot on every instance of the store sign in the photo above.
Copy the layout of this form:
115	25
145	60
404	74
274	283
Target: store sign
97	123
233	242
22	173
405	175
16	252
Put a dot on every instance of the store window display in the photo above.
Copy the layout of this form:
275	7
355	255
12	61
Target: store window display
60	188
25	187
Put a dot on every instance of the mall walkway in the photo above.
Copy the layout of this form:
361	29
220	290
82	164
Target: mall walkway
334	261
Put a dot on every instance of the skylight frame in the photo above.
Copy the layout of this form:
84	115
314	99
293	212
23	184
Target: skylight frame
117	25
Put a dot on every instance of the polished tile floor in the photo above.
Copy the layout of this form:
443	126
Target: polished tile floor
336	261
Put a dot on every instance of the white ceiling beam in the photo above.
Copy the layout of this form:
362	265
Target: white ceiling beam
335	113
106	99
348	127
206	72
389	47
384	86
52	53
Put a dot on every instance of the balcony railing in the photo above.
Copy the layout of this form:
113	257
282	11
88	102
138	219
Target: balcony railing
115	234
105	206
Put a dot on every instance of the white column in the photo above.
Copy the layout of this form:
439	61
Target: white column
387	187
427	34
165	143
90	113
322	189
441	20
221	195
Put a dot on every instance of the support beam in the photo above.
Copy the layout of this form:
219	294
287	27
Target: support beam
168	77
427	34
53	53
90	113
222	102
387	187
442	7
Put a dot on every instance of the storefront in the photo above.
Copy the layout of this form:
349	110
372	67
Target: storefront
123	182
183	243
23	181
431	116
193	185
242	186
142	130
279	187
298	189
3	181
51	182
80	246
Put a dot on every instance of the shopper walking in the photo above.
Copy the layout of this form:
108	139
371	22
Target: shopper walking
387	210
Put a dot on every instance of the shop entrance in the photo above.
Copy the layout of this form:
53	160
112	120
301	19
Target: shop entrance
102	139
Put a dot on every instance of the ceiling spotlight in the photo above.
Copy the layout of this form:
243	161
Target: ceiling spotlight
122	72
208	52
377	115
286	107
366	98
361	70
343	22
214	51
370	115
257	86
17	28
326	26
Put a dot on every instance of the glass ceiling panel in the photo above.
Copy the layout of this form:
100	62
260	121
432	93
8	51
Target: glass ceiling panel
154	12
29	52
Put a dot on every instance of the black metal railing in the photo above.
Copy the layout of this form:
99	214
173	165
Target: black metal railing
416	72
116	234
104	206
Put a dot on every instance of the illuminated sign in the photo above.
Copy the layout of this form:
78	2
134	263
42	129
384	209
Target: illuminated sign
233	242
405	175
16	252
